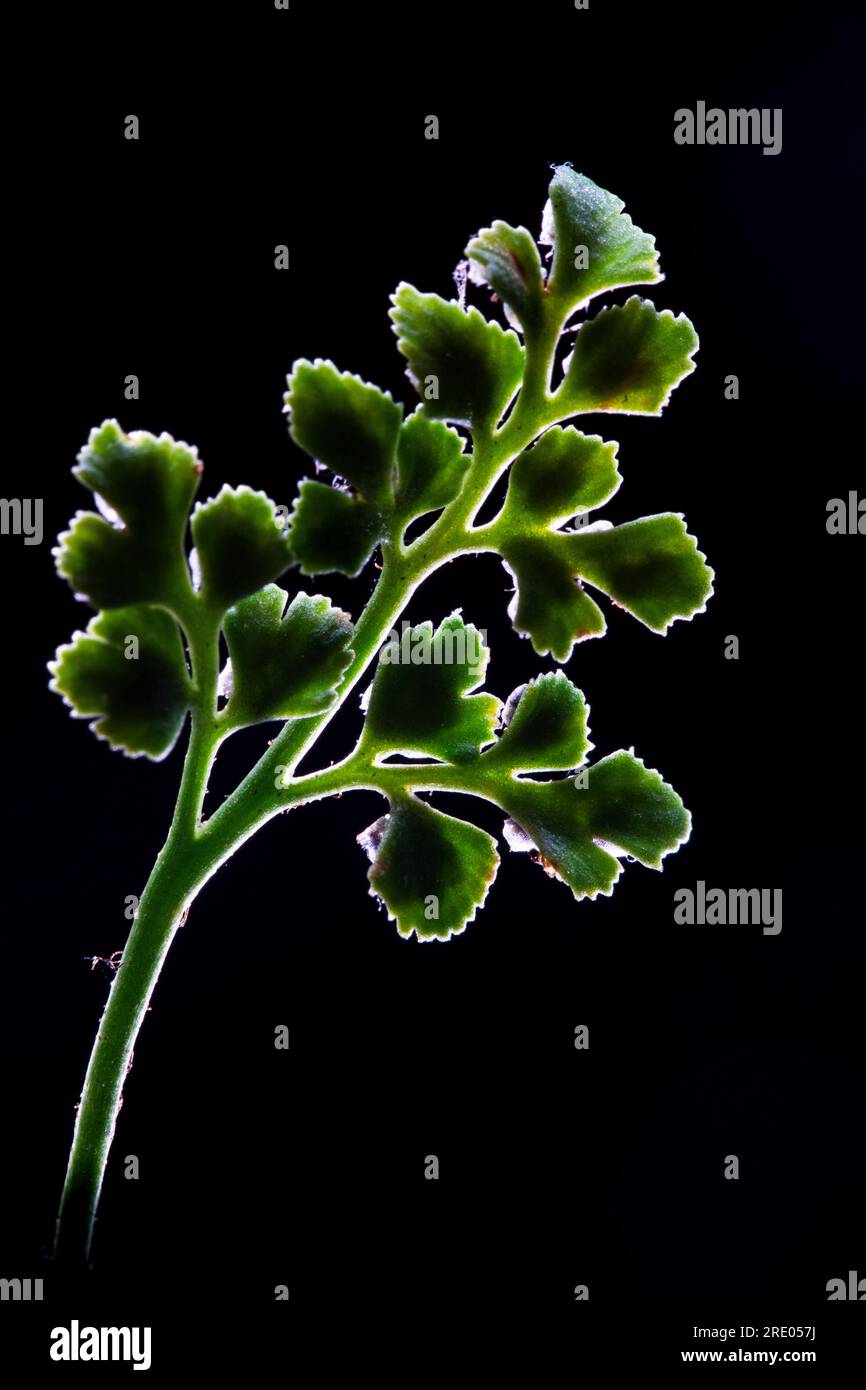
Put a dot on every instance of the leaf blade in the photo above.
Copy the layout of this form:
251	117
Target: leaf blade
578	214
346	424
545	727
332	530
580	831
549	606
425	863
651	567
472	365
506	258
562	475
286	661
239	545
421	699
147	484
140	702
431	466
628	360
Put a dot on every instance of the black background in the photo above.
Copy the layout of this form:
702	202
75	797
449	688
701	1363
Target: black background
558	1167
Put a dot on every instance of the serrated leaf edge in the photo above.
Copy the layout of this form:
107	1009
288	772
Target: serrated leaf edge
98	718
676	617
691	365
616	851
343	376
454	931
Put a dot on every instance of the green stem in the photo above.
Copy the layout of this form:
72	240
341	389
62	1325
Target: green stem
191	854
186	862
495	450
261	794
176	877
194	851
163	904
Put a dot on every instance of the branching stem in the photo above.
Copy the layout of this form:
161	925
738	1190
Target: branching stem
194	849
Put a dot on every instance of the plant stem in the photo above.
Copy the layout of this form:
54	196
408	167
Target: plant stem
184	865
193	852
161	910
179	871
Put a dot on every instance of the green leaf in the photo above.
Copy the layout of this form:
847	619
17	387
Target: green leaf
549	605
419	701
284	663
431	871
564	474
632	809
346	424
652	567
578	828
464	367
545	727
332	530
627	359
431	466
580	214
139	690
147	485
506	258
580	831
239	545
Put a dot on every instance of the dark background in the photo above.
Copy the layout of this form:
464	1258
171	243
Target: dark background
558	1167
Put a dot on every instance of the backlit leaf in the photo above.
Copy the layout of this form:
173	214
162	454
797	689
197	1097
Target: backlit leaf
549	605
506	258
285	662
431	466
136	555
420	700
581	831
239	545
545	727
128	670
596	246
431	871
464	367
564	474
332	530
652	567
345	424
627	359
